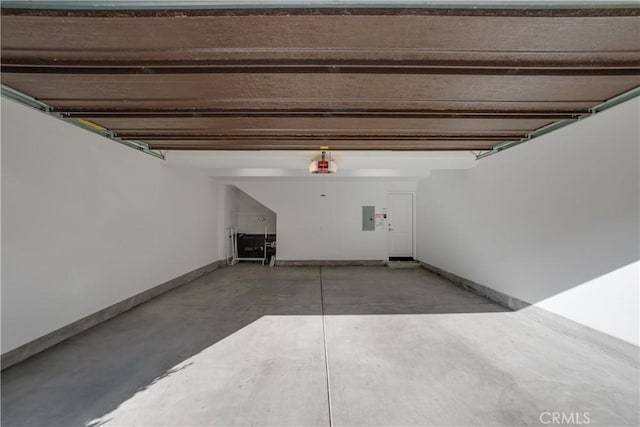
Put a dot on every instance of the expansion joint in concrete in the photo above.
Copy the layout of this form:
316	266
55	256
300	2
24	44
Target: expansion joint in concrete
326	352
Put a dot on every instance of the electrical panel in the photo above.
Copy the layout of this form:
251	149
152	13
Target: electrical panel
368	218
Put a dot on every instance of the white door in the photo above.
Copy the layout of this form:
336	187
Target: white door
400	222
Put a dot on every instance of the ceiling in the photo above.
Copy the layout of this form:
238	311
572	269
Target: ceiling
352	165
301	78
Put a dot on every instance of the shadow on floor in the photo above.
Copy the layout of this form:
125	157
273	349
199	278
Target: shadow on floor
82	380
90	374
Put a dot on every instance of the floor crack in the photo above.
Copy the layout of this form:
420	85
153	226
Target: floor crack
326	352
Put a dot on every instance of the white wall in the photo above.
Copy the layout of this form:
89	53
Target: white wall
87	222
311	227
553	222
227	218
253	216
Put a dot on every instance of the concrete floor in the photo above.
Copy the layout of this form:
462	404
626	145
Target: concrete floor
249	345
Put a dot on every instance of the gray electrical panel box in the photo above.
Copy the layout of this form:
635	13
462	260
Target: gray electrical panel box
368	218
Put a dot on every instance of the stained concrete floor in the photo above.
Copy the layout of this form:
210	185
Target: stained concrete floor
250	346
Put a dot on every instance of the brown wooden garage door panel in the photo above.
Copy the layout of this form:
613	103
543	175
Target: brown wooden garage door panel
97	114
320	124
180	91
344	60
527	67
332	36
328	106
425	137
315	145
363	79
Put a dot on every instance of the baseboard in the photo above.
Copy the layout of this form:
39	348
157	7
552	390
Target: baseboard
621	350
329	263
498	297
31	348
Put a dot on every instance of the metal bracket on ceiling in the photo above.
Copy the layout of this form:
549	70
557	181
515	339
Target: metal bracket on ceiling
25	99
29	101
633	93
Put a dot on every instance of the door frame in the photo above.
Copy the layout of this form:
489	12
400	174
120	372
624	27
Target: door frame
413	226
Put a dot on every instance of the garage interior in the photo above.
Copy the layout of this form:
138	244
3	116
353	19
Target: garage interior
322	214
